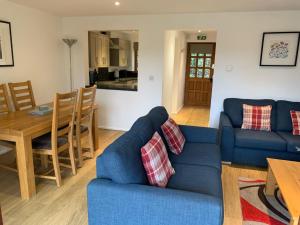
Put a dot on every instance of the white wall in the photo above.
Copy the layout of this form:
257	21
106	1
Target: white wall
239	43
174	70
38	50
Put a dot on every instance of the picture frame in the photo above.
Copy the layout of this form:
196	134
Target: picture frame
280	48
6	46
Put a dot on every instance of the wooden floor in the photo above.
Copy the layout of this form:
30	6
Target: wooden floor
190	115
67	205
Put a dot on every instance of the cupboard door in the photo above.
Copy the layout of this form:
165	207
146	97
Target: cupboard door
105	51
93	50
99	51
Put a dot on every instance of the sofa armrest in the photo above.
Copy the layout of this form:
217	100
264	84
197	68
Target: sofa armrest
226	137
199	134
132	204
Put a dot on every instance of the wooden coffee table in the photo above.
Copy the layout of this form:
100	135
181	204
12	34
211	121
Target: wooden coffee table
287	175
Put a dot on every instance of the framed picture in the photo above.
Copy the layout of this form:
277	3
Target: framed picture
279	49
6	47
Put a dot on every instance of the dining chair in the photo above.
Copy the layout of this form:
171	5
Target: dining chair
84	121
61	137
4	106
7	149
22	95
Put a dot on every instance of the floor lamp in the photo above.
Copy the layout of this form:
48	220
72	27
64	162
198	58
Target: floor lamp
70	43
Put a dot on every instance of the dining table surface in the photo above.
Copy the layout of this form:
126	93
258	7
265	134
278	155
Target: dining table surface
21	127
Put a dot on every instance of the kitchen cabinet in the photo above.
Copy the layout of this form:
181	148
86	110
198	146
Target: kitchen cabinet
98	50
120	52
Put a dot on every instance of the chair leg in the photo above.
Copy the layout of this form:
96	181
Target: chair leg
79	149
56	169
72	155
91	142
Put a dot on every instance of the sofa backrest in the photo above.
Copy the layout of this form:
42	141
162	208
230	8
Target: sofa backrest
121	161
233	107
284	121
158	117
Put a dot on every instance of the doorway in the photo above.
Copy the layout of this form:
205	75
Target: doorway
199	73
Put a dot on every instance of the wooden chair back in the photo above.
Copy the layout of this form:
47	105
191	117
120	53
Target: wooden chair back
4	106
22	95
63	116
85	106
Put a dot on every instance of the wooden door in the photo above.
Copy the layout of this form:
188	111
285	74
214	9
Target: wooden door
199	73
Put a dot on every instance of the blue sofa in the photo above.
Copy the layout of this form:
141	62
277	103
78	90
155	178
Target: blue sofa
248	147
121	194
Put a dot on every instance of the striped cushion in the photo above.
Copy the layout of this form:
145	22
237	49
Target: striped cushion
156	161
295	115
257	117
174	136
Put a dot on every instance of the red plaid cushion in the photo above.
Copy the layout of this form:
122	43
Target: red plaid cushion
295	115
173	136
257	117
156	161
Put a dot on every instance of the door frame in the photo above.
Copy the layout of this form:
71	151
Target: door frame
188	63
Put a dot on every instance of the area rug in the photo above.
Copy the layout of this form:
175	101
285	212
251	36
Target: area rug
259	209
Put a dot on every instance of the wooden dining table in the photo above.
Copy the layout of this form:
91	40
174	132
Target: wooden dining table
21	127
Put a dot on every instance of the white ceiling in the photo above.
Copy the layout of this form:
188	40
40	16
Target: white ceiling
127	7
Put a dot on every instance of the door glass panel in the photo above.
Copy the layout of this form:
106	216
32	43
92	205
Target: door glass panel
200	62
192	72
206	73
208	55
200	54
193	62
193	54
199	73
208	62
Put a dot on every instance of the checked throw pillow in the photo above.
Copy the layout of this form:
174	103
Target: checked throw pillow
156	161
295	115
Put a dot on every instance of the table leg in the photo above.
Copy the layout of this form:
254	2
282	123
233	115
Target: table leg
271	183
25	167
295	221
95	130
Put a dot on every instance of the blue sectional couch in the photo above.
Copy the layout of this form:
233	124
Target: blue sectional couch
121	195
248	147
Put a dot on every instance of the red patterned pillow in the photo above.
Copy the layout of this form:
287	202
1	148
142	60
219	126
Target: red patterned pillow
174	136
156	161
295	115
257	117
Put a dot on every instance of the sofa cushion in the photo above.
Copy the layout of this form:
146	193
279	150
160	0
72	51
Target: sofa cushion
233	107
257	117
201	154
156	162
259	140
201	179
284	121
121	161
293	142
295	115
173	136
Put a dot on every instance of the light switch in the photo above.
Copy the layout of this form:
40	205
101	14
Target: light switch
228	68
151	78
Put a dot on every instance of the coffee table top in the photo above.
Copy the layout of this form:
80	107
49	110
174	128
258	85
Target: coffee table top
287	175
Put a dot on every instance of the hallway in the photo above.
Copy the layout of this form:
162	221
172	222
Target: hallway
193	115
